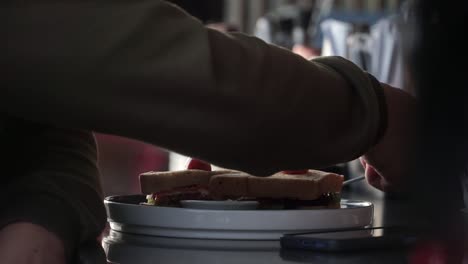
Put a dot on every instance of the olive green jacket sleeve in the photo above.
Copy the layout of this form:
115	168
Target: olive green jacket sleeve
147	70
50	178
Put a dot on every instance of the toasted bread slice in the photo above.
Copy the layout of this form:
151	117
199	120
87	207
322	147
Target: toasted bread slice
309	186
229	183
155	181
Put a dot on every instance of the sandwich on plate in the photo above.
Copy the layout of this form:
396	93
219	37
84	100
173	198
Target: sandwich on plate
302	189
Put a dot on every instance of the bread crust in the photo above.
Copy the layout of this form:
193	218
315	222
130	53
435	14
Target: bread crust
156	181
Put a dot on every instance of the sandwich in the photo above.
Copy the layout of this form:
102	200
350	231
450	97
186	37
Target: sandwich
282	190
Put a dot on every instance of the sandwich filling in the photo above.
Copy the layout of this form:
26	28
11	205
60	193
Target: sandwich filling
172	198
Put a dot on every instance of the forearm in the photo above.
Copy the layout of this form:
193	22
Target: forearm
24	243
51	179
145	70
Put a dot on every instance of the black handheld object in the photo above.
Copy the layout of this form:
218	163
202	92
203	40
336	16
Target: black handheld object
351	239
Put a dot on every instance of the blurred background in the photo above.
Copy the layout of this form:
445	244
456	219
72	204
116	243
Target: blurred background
364	31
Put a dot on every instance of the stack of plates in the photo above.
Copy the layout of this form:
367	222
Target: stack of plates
126	214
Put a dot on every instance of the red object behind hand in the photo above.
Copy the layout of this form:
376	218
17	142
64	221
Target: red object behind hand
195	164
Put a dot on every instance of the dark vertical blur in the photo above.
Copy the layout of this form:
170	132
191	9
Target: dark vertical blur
205	10
440	74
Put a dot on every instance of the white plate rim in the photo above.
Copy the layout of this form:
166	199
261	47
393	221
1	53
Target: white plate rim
346	201
173	222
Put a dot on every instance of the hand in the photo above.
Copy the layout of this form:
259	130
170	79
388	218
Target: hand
388	164
305	51
26	243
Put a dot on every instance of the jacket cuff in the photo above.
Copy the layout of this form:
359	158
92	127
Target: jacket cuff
46	211
371	98
379	91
